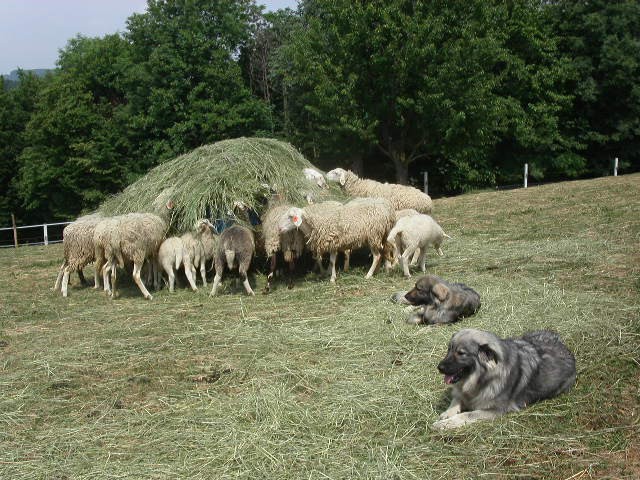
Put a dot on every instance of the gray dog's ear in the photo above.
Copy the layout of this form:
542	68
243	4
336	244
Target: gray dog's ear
487	355
440	291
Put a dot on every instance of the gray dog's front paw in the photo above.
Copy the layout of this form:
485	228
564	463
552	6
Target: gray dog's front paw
448	423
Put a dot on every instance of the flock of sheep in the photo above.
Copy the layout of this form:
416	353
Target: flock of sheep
391	220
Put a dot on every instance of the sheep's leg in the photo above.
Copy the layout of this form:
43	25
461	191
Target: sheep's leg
377	255
203	271
245	282
404	260
65	281
415	260
97	271
83	280
114	277
423	260
106	271
272	269
172	279
439	250
319	264
56	285
347	258
189	272
216	281
292	267
332	261
136	278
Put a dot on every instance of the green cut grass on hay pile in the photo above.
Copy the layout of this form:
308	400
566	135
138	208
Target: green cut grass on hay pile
328	381
209	180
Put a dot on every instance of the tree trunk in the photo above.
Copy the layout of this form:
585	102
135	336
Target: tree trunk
402	169
357	165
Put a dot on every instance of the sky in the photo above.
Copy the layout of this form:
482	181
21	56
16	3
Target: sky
32	31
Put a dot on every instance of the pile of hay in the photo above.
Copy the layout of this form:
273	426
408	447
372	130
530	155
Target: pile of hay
209	180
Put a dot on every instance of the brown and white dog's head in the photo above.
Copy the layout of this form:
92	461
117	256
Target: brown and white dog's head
428	290
471	356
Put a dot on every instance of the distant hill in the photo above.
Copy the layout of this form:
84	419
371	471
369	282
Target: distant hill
12	80
39	72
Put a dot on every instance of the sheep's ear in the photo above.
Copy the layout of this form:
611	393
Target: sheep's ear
343	177
296	219
170	205
440	291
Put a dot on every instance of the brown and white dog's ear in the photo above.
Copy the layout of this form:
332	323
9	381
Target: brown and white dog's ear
440	291
488	355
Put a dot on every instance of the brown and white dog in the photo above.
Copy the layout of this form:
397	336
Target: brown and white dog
442	302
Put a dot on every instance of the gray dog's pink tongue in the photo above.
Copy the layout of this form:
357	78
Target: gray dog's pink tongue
448	379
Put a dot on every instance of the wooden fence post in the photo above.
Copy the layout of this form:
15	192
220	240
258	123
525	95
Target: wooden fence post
15	230
426	182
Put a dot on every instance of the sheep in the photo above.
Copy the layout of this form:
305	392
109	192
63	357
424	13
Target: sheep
170	259
77	241
405	212
331	228
400	196
194	254
134	237
209	243
416	232
236	247
291	243
315	176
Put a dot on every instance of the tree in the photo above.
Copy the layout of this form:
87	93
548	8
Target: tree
418	80
76	146
186	87
16	107
600	41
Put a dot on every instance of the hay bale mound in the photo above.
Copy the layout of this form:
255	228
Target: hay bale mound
209	180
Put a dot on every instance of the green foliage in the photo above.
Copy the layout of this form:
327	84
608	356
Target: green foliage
185	86
600	41
76	141
16	107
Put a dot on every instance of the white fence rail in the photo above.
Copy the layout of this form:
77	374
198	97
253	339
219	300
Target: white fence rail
32	234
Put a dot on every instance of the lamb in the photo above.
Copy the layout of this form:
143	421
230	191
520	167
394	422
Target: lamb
416	232
78	251
332	228
194	254
291	243
210	243
170	260
134	237
315	176
405	212
236	247
400	196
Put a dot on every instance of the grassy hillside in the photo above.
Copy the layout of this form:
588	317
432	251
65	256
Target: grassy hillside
327	381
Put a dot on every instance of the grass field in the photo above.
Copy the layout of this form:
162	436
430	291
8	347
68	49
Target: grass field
327	381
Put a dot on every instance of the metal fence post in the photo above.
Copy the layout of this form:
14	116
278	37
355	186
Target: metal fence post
426	182
615	167
526	174
46	234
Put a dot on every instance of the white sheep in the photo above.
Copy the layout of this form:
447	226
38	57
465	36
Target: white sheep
170	259
400	196
210	243
77	241
332	228
416	232
290	243
236	247
134	238
194	256
315	176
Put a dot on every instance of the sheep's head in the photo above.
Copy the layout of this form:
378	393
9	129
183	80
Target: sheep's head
337	175
315	176
202	225
291	220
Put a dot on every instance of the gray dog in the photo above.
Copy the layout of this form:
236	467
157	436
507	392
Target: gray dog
442	302
493	376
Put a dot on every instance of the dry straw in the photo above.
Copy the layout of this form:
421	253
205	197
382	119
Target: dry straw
209	180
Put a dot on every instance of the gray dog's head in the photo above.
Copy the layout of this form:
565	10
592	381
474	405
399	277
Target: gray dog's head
470	352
